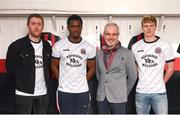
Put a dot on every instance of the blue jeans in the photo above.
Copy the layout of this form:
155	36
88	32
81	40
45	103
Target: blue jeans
158	101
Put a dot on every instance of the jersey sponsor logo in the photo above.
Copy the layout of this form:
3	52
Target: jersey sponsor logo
74	60
149	60
38	62
158	50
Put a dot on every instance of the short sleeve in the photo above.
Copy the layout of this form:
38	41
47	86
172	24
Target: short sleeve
56	52
169	55
91	52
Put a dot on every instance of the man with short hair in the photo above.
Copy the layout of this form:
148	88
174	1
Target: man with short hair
152	53
28	64
115	71
73	63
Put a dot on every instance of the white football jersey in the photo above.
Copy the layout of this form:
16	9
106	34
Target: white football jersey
151	58
73	64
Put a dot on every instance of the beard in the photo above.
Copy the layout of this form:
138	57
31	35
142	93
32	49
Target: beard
35	34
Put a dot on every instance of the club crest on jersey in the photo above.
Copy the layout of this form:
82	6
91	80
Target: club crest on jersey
158	50
83	51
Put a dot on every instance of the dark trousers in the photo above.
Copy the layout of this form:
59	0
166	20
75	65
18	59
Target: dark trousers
52	106
104	107
93	90
31	104
73	103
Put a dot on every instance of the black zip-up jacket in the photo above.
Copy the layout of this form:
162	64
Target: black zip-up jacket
20	64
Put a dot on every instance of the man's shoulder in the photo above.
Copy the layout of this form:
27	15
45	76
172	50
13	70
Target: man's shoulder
19	41
163	43
87	45
124	51
138	43
85	42
61	43
18	44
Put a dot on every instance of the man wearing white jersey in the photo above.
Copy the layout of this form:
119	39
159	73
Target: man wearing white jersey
73	62
151	55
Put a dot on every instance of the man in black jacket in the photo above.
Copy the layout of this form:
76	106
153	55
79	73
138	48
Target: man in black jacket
28	62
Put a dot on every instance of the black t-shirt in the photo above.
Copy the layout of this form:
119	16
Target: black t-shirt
178	50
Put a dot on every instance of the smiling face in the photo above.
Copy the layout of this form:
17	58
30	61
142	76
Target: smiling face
111	35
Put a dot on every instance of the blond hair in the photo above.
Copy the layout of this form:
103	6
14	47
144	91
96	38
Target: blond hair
148	18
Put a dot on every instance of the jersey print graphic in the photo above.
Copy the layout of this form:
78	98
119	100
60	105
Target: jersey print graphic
38	62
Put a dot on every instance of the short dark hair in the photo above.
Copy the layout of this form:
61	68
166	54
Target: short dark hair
74	17
34	15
